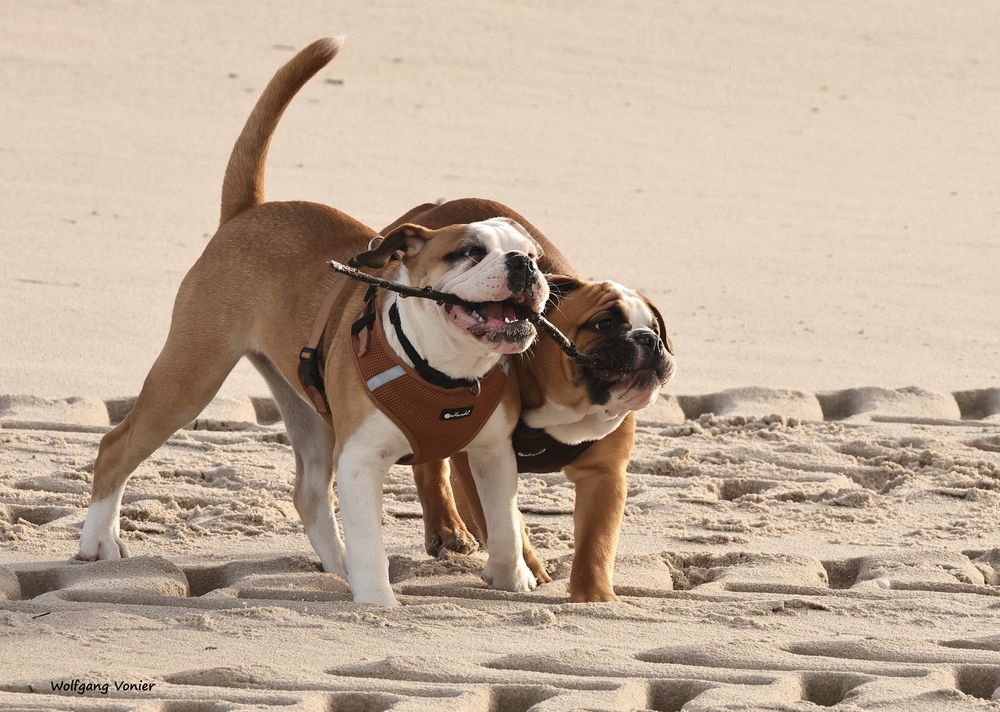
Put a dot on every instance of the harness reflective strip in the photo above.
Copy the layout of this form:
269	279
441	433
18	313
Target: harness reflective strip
380	379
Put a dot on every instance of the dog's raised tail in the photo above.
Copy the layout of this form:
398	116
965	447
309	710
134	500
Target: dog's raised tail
243	186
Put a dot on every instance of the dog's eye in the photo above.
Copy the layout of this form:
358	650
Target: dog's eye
605	324
469	252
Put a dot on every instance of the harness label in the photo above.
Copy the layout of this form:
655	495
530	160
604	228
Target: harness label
456	413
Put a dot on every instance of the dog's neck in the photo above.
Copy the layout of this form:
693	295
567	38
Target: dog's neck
569	423
434	337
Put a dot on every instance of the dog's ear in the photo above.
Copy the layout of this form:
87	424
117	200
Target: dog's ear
560	285
408	239
661	327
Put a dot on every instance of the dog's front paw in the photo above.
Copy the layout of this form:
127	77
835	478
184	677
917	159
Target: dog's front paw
105	548
509	578
376	598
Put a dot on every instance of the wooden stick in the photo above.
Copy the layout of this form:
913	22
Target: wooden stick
446	298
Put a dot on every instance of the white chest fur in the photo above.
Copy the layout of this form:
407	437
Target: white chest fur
570	425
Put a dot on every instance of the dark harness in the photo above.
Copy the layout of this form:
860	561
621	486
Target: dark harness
539	452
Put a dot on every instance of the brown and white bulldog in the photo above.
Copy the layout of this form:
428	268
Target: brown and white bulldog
256	291
579	420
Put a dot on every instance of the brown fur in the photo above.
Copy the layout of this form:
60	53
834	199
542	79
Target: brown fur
598	474
255	291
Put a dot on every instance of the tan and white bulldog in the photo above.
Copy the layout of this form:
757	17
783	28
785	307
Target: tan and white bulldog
255	292
570	406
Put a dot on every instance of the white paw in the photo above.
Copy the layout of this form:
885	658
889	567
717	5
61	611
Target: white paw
509	578
106	548
100	540
377	598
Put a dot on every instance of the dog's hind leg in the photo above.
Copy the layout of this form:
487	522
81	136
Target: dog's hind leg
443	527
187	374
312	441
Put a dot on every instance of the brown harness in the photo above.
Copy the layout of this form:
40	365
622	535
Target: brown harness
437	420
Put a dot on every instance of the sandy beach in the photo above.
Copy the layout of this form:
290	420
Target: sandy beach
808	191
766	563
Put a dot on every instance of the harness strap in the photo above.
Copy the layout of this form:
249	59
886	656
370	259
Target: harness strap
310	357
420	365
310	366
310	373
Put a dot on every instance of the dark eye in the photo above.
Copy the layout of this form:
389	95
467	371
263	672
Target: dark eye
605	324
469	252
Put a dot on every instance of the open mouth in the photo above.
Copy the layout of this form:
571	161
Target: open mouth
493	321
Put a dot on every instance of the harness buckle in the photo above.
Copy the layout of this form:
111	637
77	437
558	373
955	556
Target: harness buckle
312	379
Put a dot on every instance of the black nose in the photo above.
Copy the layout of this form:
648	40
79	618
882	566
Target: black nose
648	339
519	271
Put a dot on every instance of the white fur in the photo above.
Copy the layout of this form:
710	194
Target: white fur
428	327
314	463
494	467
453	351
636	310
567	425
361	468
491	456
486	281
366	458
325	538
101	538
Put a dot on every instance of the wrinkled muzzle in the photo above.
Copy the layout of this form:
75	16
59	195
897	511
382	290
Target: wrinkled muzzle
632	368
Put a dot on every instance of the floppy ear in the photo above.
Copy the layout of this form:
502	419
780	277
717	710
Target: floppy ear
560	285
661	327
408	239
